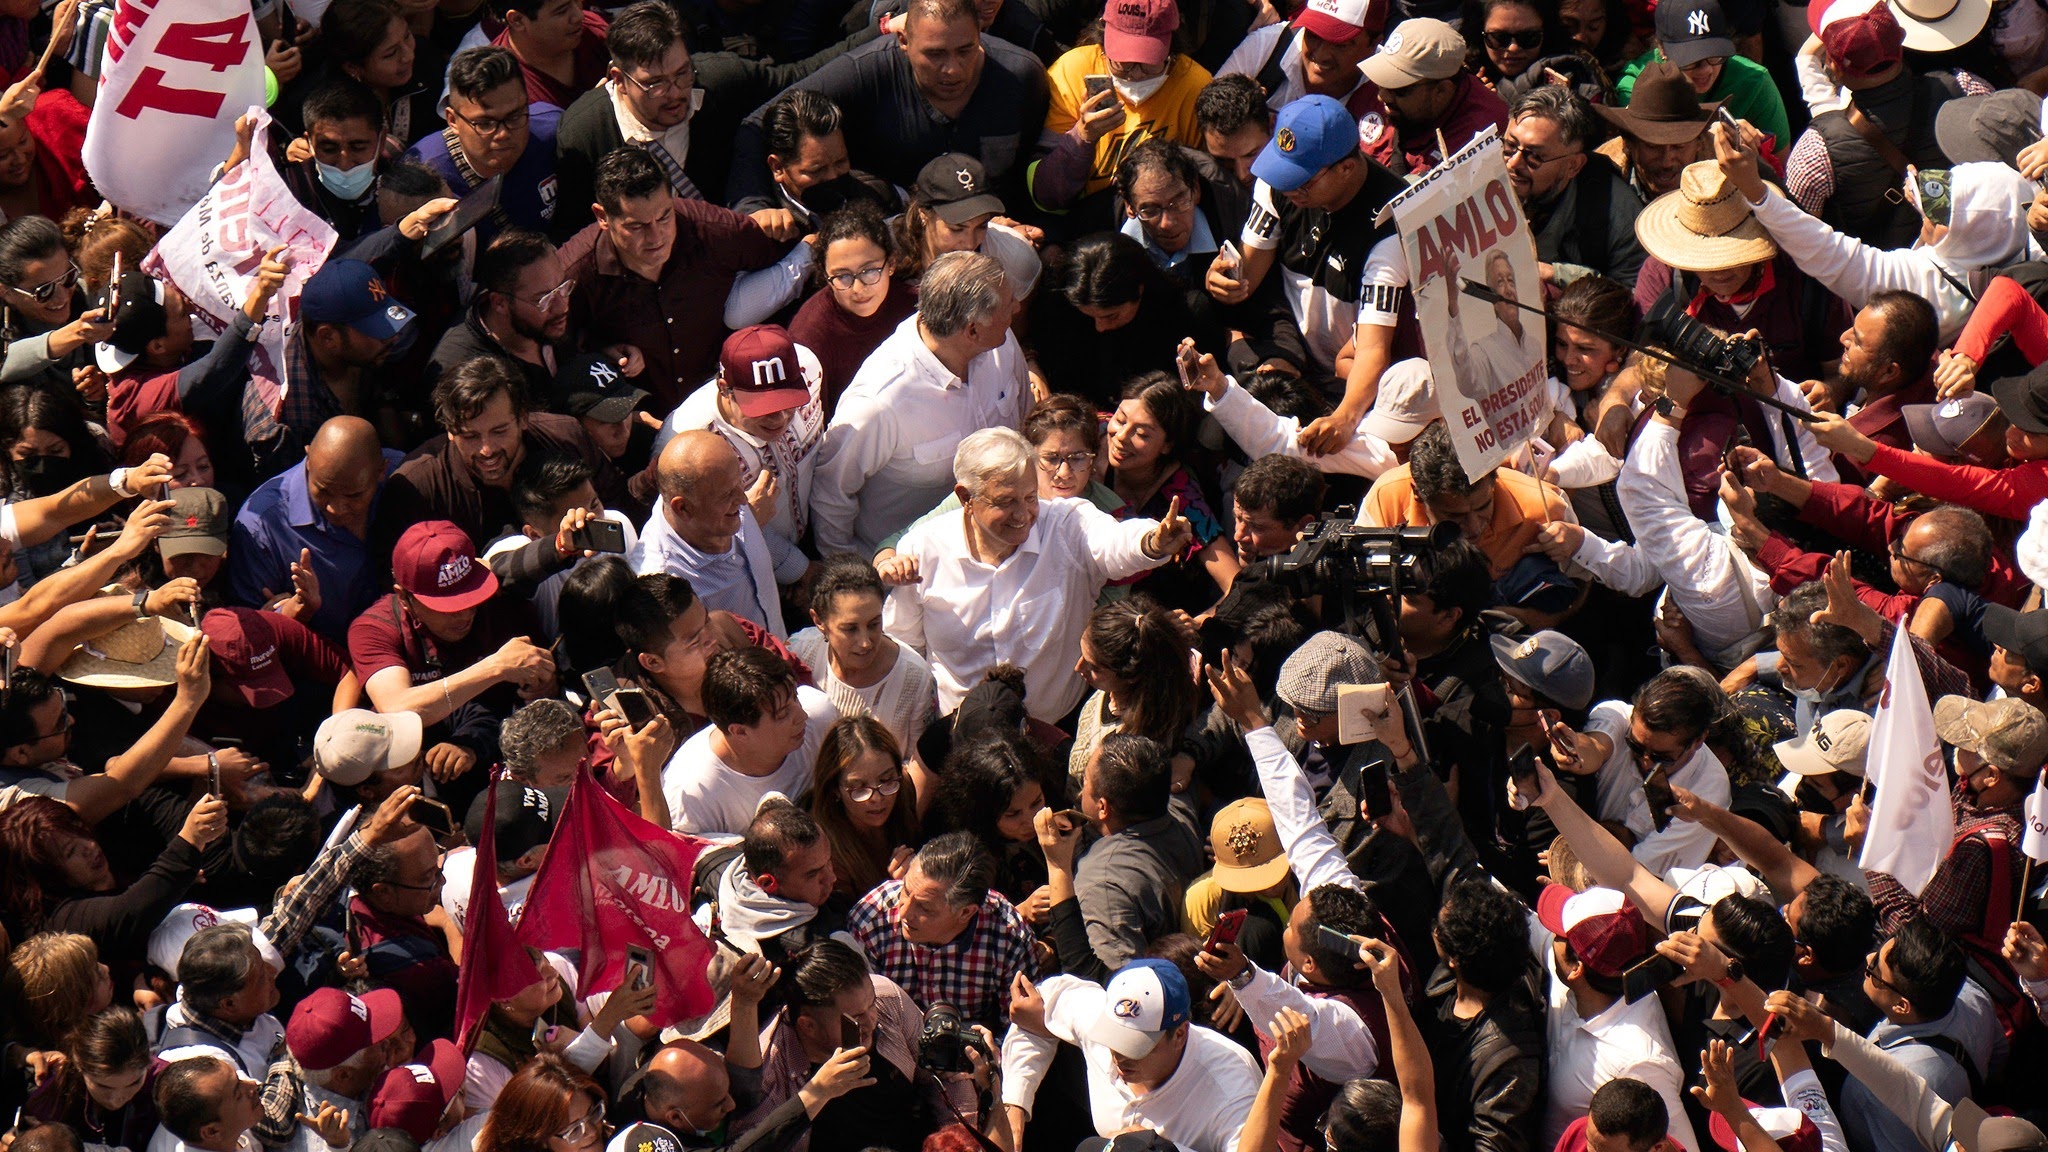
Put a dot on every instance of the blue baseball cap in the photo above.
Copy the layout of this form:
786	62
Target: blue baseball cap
350	292
1311	134
1141	1004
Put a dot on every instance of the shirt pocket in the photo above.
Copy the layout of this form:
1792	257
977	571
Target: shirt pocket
935	451
1033	622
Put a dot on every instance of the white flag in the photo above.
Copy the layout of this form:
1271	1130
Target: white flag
1911	822
174	78
2035	844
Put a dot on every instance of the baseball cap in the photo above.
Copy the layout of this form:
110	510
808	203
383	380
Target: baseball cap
759	365
1551	663
2024	399
526	817
140	319
245	655
167	939
956	187
1690	31
1861	39
350	292
1139	31
2009	733
1310	134
1975	1130
1994	126
644	1137
1605	931
1144	1001
1788	1126
2024	635
436	562
1711	883
593	386
353	745
1341	21
1406	402
413	1097
1310	676
1837	742
329	1025
199	523
1941	429
1416	50
1247	847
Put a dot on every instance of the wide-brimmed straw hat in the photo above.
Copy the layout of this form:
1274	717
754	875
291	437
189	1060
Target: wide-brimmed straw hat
139	654
1704	226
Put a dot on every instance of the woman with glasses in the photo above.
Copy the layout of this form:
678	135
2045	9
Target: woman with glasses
47	326
1111	315
860	668
549	1105
864	799
862	300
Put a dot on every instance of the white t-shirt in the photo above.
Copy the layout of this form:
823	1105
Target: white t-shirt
705	794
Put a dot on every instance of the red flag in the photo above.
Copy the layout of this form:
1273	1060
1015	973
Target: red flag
495	965
610	879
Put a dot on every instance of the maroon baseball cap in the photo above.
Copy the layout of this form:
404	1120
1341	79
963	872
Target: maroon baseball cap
1139	31
413	1097
329	1026
1605	931
437	563
1861	44
759	363
245	655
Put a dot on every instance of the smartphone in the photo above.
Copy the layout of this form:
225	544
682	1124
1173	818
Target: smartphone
1522	770
432	815
1765	1036
1373	792
639	967
541	1031
1225	930
601	686
212	772
1094	84
113	307
1339	943
1228	255
10	657
1648	976
449	226
635	705
1657	790
601	535
288	28
1070	818
348	926
1734	125
849	1032
1188	359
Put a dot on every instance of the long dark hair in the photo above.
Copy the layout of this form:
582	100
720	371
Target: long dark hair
32	836
1137	642
980	778
1107	270
34	406
849	739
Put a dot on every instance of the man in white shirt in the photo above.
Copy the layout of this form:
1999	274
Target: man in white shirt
763	737
951	370
1148	1067
1316	54
766	401
1011	579
1586	941
206	1105
704	532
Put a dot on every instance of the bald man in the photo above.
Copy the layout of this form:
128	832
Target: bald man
703	531
301	539
688	1091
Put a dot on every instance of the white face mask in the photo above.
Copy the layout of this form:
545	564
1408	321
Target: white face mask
1136	93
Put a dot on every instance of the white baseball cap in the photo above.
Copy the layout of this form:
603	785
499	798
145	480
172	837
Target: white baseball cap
1406	402
1144	1001
353	745
167	940
1836	743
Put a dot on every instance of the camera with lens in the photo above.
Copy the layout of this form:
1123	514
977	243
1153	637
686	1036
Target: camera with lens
943	1041
1339	554
1695	345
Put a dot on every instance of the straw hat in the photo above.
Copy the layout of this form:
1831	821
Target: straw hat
1704	226
139	654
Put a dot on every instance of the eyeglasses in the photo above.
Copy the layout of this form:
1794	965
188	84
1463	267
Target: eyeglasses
41	293
1871	973
509	122
1510	149
679	81
1709	62
1051	462
862	793
1502	41
1154	213
1655	760
64	724
580	1129
434	881
553	297
871	276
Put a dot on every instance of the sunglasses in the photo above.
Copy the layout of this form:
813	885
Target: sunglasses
1502	41
41	293
1655	760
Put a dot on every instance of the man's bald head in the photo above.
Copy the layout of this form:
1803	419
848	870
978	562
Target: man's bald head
687	1087
692	458
343	444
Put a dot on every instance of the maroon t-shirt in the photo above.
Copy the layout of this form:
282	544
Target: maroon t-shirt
387	636
311	660
844	341
592	59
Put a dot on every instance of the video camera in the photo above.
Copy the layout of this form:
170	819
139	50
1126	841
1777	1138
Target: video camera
1341	555
1693	344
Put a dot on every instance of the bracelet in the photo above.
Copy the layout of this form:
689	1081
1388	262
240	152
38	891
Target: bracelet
447	697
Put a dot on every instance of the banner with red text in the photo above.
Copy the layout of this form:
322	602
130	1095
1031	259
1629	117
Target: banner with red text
612	878
213	252
176	74
1462	222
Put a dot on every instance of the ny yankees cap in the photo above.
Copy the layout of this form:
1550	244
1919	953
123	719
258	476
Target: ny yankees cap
1690	31
956	187
759	366
437	563
592	386
350	292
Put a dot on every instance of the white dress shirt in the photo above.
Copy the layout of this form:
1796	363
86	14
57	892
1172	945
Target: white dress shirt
1619	787
791	457
1260	431
742	580
1626	1040
707	795
888	454
967	616
1201	1107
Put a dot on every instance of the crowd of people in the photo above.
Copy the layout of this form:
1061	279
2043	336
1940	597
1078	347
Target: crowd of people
907	451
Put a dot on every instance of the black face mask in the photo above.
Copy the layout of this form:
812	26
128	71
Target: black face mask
46	475
834	194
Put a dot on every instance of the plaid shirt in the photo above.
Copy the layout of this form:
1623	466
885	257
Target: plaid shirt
1957	897
972	972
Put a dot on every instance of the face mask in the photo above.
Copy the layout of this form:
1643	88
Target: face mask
1816	694
349	185
834	194
1140	91
2019	31
46	475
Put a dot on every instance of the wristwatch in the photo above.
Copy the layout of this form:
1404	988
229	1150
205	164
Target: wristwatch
1734	975
142	604
1238	981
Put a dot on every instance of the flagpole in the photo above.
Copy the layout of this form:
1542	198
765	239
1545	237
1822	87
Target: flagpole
2026	881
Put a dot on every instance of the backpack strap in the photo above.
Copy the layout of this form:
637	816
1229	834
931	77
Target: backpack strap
1272	74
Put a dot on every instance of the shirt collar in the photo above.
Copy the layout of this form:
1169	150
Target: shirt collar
928	362
676	139
298	499
1200	240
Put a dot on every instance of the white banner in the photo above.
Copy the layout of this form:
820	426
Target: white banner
212	254
1911	820
1462	222
2035	843
174	77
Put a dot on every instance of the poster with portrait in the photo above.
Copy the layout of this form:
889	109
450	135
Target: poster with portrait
1462	222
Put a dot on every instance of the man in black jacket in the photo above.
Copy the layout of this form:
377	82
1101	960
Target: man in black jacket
1582	208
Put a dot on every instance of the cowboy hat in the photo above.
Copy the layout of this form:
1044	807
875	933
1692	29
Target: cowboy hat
1704	226
139	654
1664	108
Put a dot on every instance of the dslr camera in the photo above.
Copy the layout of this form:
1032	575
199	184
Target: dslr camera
943	1041
1695	345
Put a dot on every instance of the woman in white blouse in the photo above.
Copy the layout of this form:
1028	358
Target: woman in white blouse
859	667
